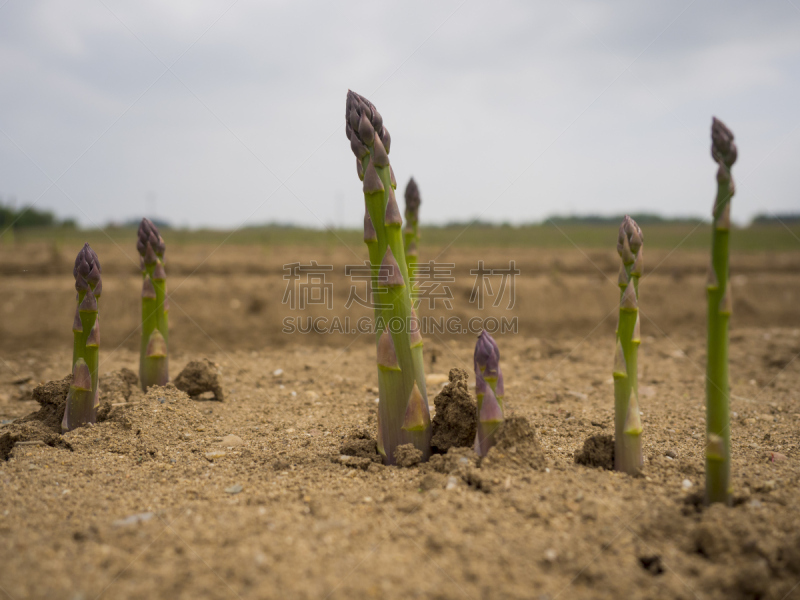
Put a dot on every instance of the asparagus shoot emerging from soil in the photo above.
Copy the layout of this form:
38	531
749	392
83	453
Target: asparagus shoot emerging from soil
153	357
83	397
627	424
403	415
489	390
411	230
718	437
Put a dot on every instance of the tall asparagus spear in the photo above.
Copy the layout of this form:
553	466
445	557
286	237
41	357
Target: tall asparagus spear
83	397
153	356
411	230
489	390
403	415
718	432
627	424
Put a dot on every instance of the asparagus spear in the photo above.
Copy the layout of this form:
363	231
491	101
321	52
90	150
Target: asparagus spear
718	437
489	390
403	415
627	424
153	356
411	230
83	397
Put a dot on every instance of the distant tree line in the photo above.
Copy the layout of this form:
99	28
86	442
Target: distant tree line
640	218
28	216
773	219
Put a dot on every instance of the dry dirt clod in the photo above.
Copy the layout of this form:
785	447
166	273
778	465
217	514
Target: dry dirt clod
407	456
432	481
199	377
598	451
517	445
455	421
43	425
119	386
360	444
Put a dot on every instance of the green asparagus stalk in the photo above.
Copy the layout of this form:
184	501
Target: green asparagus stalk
83	397
489	389
411	230
718	436
627	424
153	356
403	415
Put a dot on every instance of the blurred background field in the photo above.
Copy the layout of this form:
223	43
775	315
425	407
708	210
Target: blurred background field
227	288
765	234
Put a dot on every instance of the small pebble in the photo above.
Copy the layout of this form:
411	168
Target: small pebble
671	453
231	440
550	555
776	457
452	483
277	372
686	484
215	454
234	489
133	519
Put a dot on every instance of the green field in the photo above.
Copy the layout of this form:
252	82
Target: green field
689	236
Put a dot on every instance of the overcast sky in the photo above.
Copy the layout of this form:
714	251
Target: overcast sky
230	112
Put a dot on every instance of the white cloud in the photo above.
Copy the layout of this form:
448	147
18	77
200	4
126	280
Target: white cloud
470	108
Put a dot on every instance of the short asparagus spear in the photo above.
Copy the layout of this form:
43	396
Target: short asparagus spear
411	229
83	397
403	415
489	390
153	357
627	424
718	436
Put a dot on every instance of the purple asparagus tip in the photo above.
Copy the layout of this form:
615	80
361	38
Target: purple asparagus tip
723	150
487	355
148	234
362	123
413	199
87	270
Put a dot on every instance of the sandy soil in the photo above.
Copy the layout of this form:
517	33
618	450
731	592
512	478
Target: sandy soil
275	512
172	497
